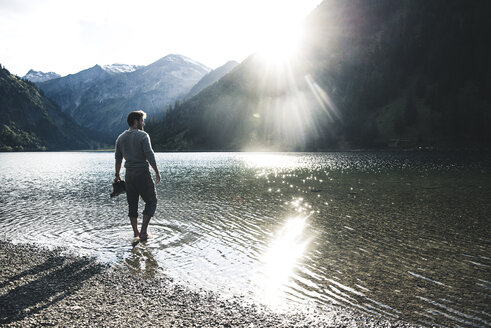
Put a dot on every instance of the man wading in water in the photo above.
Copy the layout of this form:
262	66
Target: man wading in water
134	146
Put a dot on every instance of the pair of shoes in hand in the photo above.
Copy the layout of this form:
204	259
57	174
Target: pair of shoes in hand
119	187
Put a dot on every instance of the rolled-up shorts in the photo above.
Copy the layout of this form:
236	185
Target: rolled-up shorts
139	183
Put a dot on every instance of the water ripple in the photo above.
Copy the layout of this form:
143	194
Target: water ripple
402	235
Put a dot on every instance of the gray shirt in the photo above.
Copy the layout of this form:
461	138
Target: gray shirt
135	147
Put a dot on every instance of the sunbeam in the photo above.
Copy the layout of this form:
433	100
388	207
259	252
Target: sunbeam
323	98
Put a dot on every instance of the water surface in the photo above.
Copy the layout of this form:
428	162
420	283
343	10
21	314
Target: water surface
405	235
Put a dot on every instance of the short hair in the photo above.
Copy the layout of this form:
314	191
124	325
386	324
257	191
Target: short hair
135	115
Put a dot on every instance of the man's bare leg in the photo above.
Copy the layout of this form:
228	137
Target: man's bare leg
143	230
134	225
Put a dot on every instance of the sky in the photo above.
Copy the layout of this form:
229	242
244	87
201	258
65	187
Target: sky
67	36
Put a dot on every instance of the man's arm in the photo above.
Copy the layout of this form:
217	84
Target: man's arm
149	154
118	155
118	168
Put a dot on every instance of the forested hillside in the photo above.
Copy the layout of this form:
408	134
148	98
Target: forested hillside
372	73
30	121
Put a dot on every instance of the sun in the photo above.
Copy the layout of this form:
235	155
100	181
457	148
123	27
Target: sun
280	42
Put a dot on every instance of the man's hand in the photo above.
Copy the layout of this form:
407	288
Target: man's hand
157	173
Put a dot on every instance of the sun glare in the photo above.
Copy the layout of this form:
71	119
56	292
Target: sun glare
281	260
280	42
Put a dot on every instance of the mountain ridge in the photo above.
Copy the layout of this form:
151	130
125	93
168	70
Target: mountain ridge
96	92
212	77
121	68
38	76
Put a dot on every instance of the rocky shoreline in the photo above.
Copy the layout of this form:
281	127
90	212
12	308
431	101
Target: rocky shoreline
42	287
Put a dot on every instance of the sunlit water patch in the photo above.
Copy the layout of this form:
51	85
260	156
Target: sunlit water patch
403	235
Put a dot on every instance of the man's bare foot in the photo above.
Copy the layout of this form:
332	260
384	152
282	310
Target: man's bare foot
135	241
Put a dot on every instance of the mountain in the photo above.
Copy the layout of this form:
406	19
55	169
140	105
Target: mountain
100	99
253	107
68	91
415	72
120	68
371	73
212	77
37	76
30	121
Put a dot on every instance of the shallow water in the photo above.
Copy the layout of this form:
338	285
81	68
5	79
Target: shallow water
405	235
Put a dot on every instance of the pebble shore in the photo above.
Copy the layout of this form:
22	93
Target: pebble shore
42	287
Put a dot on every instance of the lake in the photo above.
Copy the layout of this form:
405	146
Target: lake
402	234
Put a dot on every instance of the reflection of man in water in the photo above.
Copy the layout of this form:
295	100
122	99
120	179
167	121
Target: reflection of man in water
141	261
134	146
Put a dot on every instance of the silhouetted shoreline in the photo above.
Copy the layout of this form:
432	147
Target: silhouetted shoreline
46	287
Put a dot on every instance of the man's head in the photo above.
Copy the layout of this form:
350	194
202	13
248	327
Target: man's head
136	119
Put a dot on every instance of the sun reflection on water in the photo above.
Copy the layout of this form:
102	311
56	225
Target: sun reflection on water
259	159
280	262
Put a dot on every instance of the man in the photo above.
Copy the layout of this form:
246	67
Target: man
134	146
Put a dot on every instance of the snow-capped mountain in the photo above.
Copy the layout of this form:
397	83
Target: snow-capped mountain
179	60
101	97
38	76
121	68
69	90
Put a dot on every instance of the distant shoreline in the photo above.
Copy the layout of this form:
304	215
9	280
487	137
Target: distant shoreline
39	286
354	150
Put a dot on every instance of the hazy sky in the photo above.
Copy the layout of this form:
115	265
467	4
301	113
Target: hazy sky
66	36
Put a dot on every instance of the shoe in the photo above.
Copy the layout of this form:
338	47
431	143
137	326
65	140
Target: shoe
119	187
